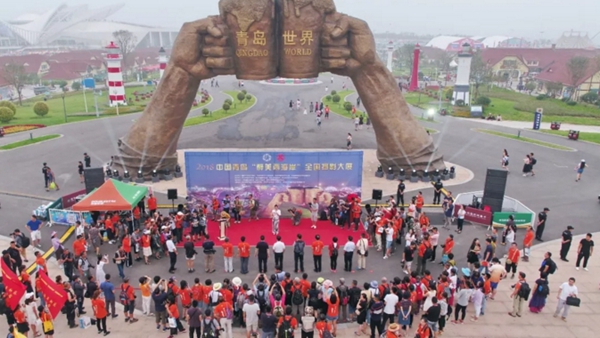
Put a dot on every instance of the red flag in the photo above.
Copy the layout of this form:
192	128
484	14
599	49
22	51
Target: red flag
54	294
14	288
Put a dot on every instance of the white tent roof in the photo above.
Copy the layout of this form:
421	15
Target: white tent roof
442	41
494	41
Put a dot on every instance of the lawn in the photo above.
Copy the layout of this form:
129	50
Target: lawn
29	141
583	136
524	139
338	108
219	114
424	102
74	105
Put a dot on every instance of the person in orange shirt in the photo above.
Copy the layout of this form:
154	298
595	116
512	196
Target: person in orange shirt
40	261
215	208
393	331
423	331
127	248
356	211
173	312
419	204
447	248
322	325
99	307
79	246
146	295
185	294
527	243
198	291
47	322
513	259
317	249
422	259
25	278
146	248
244	254
223	312
130	305
207	288
152	205
21	319
291	323
110	230
333	310
136	214
228	255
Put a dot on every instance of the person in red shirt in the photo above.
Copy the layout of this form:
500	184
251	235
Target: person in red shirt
127	248
244	254
152	205
79	246
291	322
146	249
333	309
220	313
99	307
185	294
228	255
527	243
40	261
419	204
317	249
322	325
423	331
130	305
422	260
25	278
110	230
513	259
356	211
393	331
198	291
173	312
447	248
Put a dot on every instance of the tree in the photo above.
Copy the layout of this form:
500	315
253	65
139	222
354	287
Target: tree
16	76
348	106
336	98
241	96
226	106
530	86
76	85
480	72
554	88
248	97
577	67
6	114
126	42
205	111
40	108
483	101
8	105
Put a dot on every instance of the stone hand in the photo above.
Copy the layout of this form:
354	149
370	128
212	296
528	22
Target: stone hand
202	49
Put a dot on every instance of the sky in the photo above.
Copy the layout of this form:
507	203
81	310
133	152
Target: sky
546	19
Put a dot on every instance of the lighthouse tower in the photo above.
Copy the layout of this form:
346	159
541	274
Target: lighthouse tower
116	90
463	75
390	55
162	61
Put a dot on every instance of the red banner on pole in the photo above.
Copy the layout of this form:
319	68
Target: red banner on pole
54	294
475	215
70	199
14	288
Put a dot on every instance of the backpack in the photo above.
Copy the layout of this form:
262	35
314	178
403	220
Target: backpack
386	291
419	290
326	333
25	241
552	267
299	247
262	299
334	252
278	310
297	297
428	252
313	299
524	291
228	312
209	329
543	290
344	297
123	298
285	330
533	161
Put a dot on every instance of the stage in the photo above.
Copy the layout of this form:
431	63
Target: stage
254	229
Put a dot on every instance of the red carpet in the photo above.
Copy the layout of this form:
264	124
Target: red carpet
253	230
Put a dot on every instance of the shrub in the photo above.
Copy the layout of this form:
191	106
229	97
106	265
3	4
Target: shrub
6	114
460	103
541	97
483	101
229	102
76	86
564	99
244	91
587	97
40	109
205	111
348	106
61	83
248	97
328	98
226	106
449	93
241	96
9	105
336	98
530	86
571	103
333	92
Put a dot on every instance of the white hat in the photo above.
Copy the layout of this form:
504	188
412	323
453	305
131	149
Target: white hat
146	232
217	286
582	160
180	213
237	281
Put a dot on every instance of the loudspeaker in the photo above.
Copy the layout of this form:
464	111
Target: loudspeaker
377	194
494	188
93	178
172	194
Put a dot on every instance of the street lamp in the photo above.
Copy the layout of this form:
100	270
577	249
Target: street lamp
117	101
64	106
440	97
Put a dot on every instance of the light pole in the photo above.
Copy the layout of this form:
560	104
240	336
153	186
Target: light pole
440	97
117	103
64	107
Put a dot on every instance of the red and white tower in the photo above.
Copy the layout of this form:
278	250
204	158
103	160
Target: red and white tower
116	89
162	61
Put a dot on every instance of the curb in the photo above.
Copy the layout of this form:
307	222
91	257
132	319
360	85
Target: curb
226	118
479	130
33	144
18	194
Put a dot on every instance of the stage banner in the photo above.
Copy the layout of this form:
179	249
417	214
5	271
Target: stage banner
288	179
13	286
522	219
68	217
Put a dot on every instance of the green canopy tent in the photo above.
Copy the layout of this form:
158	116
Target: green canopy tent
113	195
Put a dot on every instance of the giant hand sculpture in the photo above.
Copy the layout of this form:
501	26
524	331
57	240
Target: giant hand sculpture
258	39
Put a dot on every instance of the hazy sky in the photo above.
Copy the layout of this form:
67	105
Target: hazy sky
519	18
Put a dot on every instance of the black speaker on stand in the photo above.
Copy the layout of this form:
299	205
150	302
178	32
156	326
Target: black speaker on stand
377	195
172	195
493	191
93	178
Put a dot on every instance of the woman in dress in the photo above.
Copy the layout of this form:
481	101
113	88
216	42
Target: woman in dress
100	274
460	219
405	311
582	165
349	141
361	312
51	179
32	314
540	293
473	254
526	165
47	322
504	161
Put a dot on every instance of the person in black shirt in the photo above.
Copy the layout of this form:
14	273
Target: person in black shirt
585	251
68	261
45	173
400	193
262	252
539	229
209	255
567	238
190	253
437	193
433	315
408	257
87	159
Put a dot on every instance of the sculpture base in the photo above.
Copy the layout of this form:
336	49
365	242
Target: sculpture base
421	161
126	180
178	174
133	161
425	179
167	177
414	179
155	179
140	180
390	176
379	174
445	177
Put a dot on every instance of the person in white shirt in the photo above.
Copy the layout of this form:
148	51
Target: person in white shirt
390	300
251	311
275	214
278	250
567	289
314	212
389	239
410	237
434	236
349	248
172	249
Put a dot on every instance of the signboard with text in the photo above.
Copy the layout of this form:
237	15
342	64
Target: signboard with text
537	119
288	179
68	217
522	220
475	215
